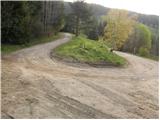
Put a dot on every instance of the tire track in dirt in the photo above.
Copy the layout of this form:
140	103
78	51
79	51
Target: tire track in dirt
129	105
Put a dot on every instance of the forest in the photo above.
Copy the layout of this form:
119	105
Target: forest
25	20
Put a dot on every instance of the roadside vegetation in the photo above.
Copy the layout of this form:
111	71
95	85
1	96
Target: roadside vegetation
152	57
8	48
27	23
85	50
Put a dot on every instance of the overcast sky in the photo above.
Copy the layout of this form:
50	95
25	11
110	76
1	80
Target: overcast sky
141	6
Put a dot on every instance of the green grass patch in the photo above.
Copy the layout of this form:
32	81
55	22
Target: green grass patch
89	51
8	48
152	57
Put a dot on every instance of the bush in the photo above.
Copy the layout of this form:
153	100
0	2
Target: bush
93	34
143	52
37	29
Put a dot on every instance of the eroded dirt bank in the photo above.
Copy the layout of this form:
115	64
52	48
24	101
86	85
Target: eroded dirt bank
35	86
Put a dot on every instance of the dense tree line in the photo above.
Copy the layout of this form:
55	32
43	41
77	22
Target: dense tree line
53	16
155	41
149	20
98	11
80	17
81	13
23	20
17	17
140	41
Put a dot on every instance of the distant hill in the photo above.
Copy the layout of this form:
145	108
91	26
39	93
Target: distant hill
150	20
99	10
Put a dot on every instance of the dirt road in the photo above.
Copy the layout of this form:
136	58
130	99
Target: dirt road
35	86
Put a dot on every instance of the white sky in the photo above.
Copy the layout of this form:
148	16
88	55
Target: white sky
141	6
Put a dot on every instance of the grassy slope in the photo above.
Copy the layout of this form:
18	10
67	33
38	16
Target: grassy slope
88	51
152	57
148	55
8	48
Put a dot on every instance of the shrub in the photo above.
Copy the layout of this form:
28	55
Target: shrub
143	52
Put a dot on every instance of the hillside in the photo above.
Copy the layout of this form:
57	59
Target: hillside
99	10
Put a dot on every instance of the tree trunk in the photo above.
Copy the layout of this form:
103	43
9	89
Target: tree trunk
44	15
77	26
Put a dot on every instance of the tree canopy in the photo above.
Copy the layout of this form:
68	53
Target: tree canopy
140	41
81	14
23	20
119	27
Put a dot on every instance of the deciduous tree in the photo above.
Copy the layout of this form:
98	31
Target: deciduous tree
119	26
140	41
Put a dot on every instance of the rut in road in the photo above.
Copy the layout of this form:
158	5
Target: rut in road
36	86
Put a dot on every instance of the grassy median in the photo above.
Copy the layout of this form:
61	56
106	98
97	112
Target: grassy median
85	50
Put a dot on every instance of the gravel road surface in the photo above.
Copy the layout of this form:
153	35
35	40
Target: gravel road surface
36	86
